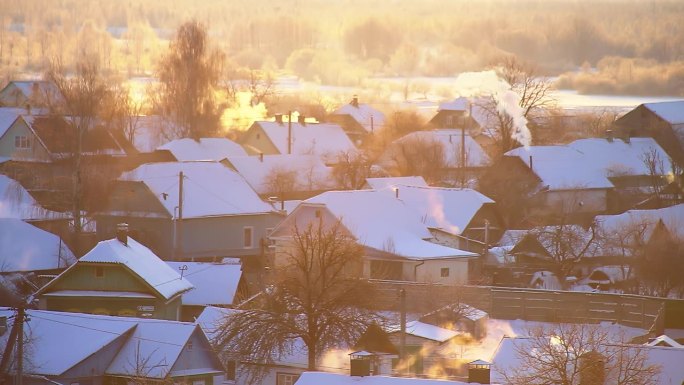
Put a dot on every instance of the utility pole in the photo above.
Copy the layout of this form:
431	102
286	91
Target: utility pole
289	132
179	220
402	319
16	337
21	314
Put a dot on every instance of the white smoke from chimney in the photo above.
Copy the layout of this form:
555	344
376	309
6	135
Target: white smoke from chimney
470	84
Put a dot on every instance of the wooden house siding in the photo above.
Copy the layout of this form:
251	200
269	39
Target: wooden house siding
642	122
256	139
35	152
196	354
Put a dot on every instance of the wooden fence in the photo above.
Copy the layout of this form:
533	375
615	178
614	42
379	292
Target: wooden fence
539	305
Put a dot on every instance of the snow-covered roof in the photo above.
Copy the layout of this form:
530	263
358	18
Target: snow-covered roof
317	378
450	139
309	171
363	114
381	183
141	261
669	359
614	273
474	108
16	202
24	247
215	283
631	221
588	163
61	340
209	189
672	112
52	332
159	342
8	115
380	221
427	331
323	139
449	209
27	86
205	149
211	318
664	340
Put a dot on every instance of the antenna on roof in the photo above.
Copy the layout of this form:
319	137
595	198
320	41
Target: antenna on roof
182	269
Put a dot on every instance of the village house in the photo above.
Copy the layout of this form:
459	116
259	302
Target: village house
220	284
459	167
284	370
461	113
398	244
358	119
662	121
579	180
71	348
189	210
506	359
280	137
120	277
457	217
31	93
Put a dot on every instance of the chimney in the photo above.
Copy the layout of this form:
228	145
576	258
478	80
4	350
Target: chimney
279	118
609	135
531	168
627	139
355	101
479	372
301	119
396	192
261	157
122	233
28	109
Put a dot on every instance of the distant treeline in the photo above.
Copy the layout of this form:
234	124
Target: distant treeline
345	41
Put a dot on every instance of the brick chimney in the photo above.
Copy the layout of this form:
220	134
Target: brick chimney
122	233
355	101
279	118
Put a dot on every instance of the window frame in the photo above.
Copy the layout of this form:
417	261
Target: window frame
444	272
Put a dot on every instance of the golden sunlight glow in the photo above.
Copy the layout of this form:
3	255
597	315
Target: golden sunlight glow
242	114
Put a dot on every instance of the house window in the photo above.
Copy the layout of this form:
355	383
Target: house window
21	141
286	378
248	237
99	271
444	272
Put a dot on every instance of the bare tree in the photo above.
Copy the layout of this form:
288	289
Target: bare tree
573	354
655	165
534	91
83	97
566	245
261	86
351	169
659	263
141	367
418	156
189	77
315	300
281	181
